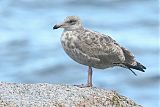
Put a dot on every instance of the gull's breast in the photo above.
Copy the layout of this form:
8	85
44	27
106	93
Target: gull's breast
69	41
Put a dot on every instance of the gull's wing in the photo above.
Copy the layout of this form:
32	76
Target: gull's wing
100	46
129	57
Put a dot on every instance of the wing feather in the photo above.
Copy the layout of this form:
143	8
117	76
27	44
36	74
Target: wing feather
129	57
100	46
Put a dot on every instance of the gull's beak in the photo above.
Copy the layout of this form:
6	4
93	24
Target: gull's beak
58	26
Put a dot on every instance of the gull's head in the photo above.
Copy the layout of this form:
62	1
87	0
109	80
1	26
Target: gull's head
70	23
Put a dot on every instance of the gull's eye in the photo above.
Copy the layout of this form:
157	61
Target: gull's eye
72	21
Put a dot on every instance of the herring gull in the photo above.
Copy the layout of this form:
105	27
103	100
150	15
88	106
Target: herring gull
94	49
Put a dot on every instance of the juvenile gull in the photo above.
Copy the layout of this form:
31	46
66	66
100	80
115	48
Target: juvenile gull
94	49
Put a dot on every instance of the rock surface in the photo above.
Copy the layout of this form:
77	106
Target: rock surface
51	95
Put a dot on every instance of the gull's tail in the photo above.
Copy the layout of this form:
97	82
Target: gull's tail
138	66
130	62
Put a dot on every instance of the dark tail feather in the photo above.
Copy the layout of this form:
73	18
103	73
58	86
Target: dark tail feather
139	67
132	71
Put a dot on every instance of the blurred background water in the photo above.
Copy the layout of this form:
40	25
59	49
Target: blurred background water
31	52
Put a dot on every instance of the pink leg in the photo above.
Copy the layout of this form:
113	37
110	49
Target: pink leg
89	81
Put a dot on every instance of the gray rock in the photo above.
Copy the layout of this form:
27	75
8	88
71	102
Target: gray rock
51	95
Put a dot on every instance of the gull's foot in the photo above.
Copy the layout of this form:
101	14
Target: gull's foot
83	86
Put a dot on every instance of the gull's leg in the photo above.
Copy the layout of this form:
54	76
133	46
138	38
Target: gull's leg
89	81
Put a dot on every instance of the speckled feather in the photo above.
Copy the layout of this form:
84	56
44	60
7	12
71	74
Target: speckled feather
93	48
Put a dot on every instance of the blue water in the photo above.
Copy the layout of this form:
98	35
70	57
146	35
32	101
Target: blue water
31	52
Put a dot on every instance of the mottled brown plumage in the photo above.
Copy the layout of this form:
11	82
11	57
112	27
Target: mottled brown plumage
94	49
